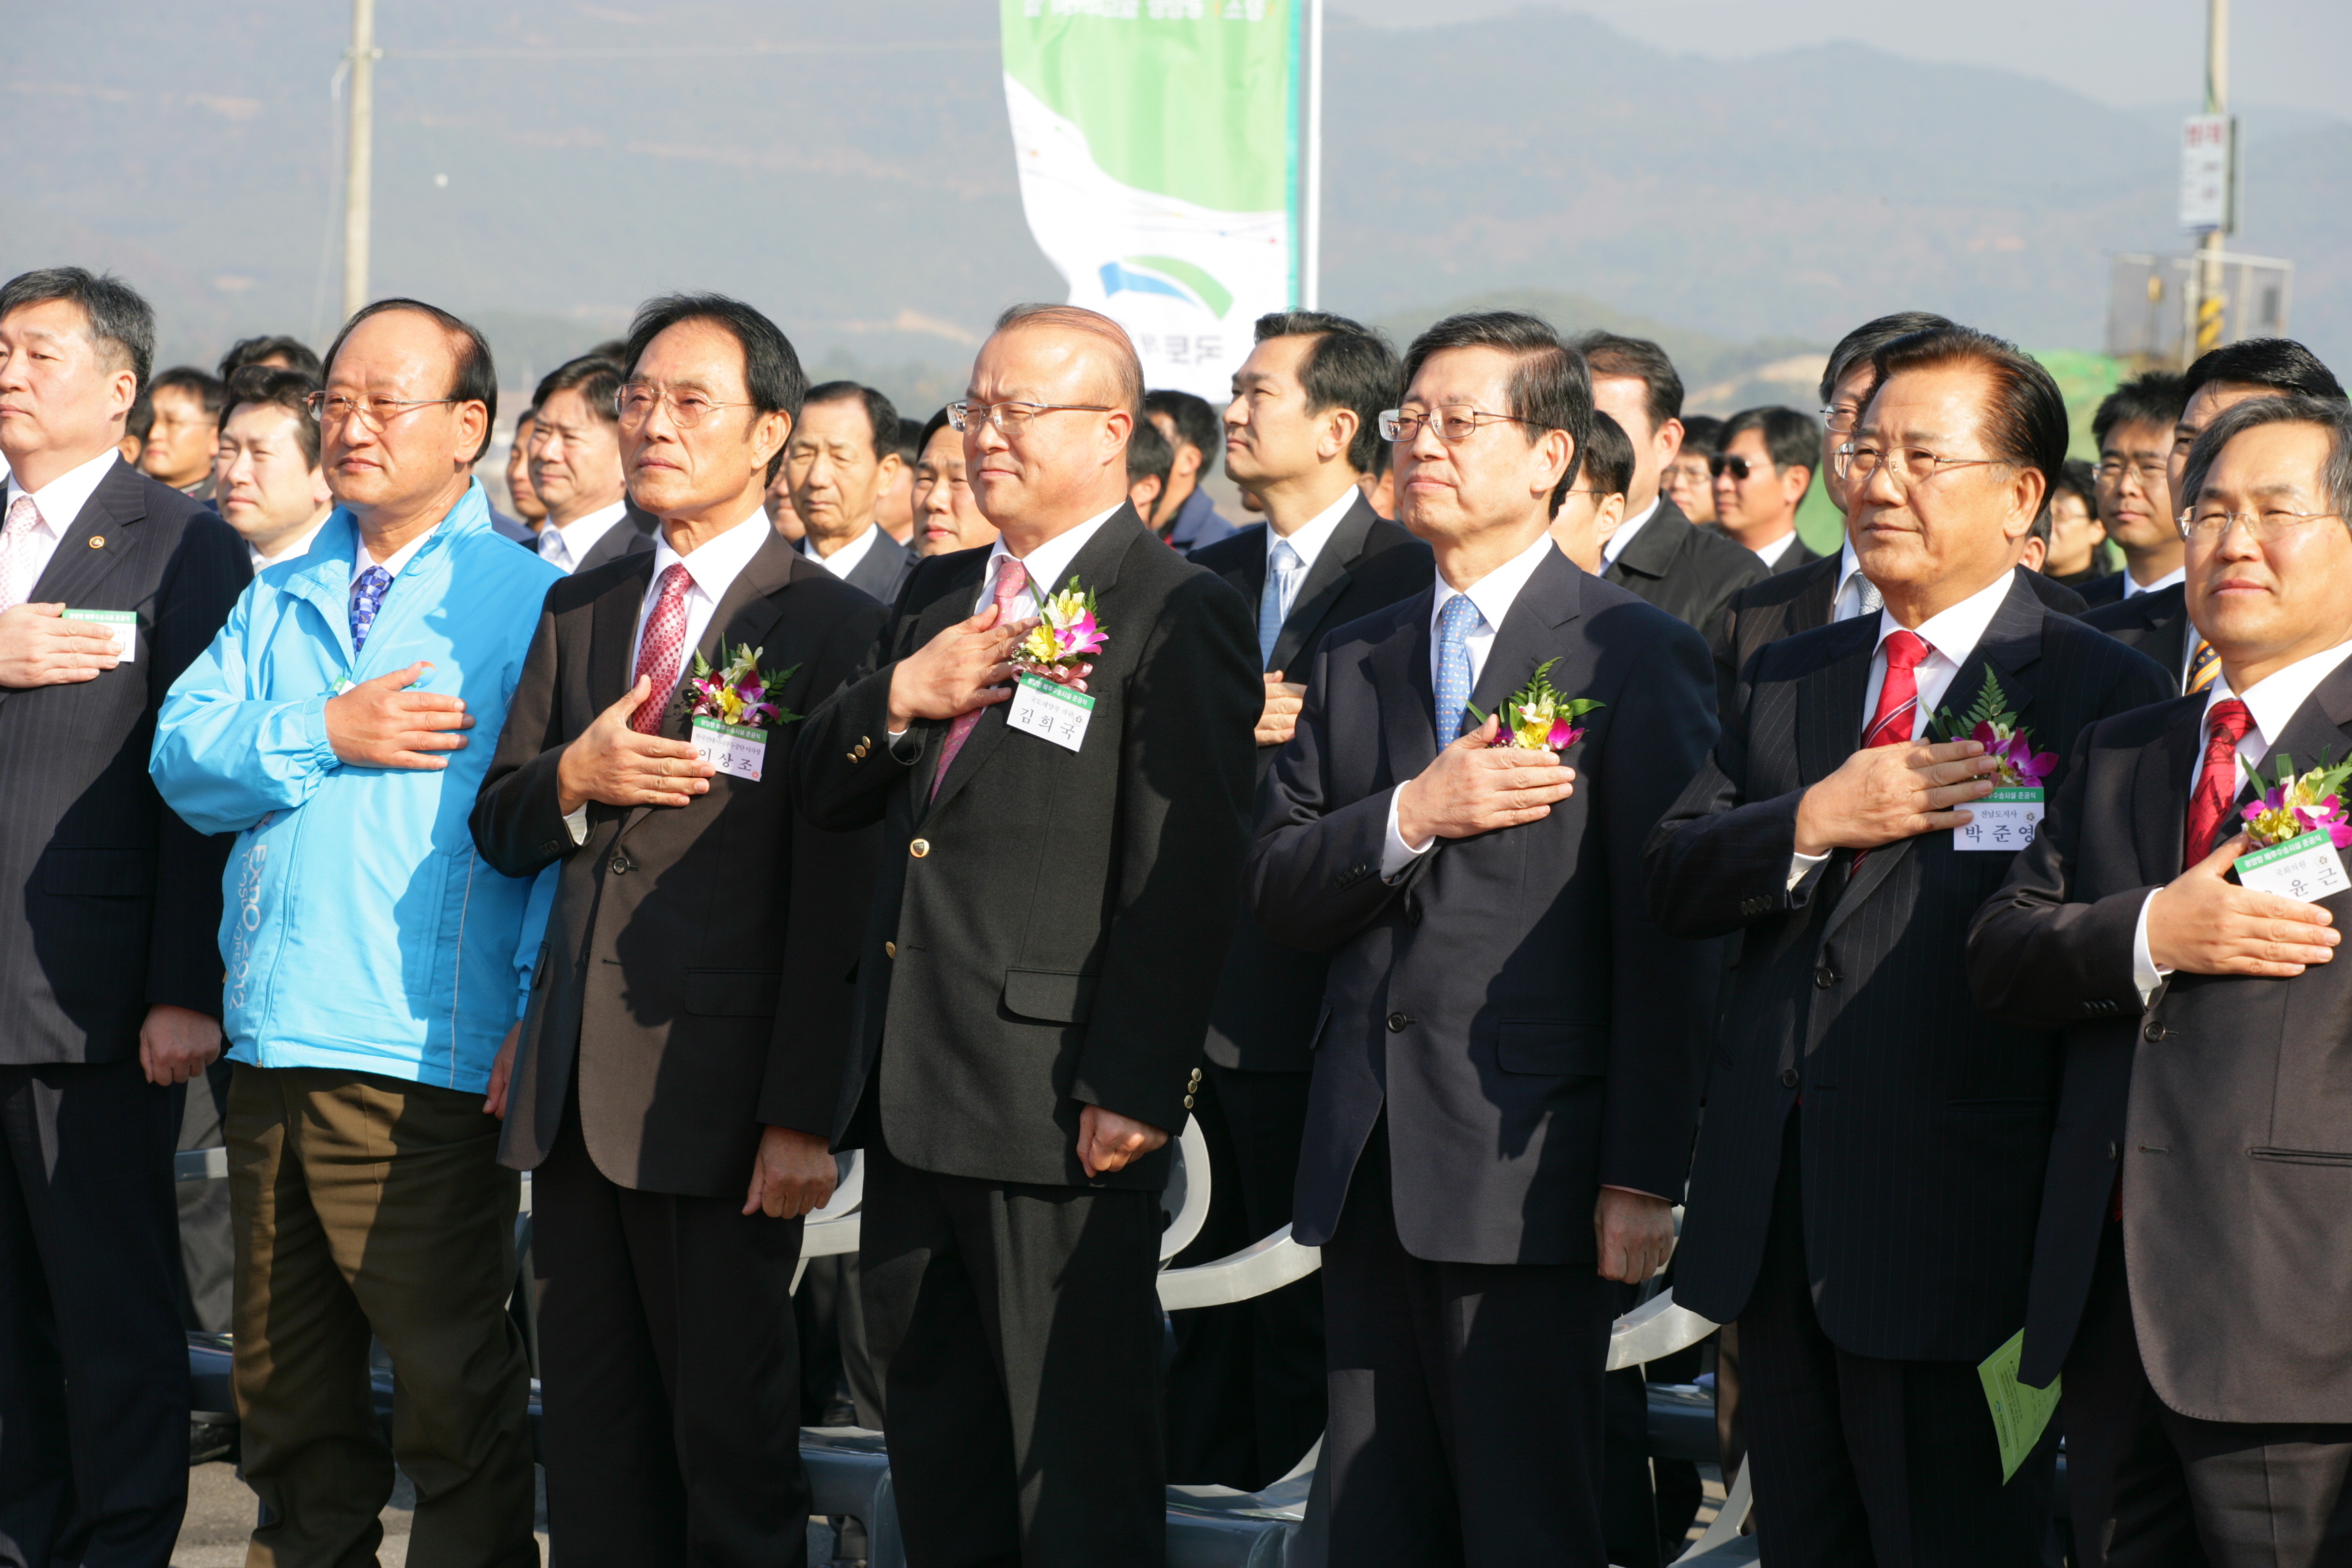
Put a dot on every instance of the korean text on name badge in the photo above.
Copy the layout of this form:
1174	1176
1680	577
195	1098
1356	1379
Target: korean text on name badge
2305	869
732	749
2001	823
1051	711
124	624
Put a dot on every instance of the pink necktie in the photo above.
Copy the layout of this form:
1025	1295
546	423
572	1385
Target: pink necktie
17	576
1011	578
663	644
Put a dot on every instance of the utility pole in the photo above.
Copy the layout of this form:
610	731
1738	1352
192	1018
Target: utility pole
1310	268
359	176
2216	102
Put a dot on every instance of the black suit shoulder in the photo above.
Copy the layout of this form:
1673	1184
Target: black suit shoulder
2053	594
1235	552
2106	590
589	585
2078	645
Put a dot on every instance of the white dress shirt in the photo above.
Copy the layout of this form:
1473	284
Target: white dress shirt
1771	554
844	561
2272	700
2132	590
1048	566
1854	591
712	566
1952	635
1307	542
565	545
296	548
1625	533
1494	594
362	559
60	503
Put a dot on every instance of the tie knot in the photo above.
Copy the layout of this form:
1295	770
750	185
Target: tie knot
676	580
24	514
1012	576
1282	558
1459	617
2227	722
1906	650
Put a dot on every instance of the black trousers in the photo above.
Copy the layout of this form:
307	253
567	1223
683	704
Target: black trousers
1246	1390
1867	1463
1018	1331
93	1365
669	1374
2153	1488
1466	1399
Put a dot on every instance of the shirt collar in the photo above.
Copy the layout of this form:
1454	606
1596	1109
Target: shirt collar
295	550
844	561
1771	554
393	564
62	499
1309	538
580	534
2132	590
714	564
1625	533
2274	698
1496	591
1954	632
1050	562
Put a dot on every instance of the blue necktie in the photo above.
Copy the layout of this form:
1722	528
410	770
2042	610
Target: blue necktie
367	598
1455	622
1274	604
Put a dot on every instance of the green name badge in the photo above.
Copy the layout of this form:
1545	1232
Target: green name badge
2002	823
2305	869
1051	711
124	624
733	749
2020	1413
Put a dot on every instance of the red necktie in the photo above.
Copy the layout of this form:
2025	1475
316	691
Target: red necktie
1898	697
1011	578
2217	786
664	646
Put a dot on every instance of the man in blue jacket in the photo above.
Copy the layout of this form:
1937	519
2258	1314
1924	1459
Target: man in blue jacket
371	966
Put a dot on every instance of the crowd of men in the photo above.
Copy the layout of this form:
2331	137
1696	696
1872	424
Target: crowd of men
1518	834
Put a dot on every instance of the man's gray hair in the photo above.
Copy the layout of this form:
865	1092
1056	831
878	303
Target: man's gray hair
121	324
2332	415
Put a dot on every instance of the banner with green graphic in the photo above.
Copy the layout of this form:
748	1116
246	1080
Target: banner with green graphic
1158	146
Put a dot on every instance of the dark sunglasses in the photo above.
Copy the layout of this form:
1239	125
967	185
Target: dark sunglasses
1740	468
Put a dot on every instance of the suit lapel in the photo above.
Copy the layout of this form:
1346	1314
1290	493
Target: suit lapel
1399	664
1547	600
92	542
2316	735
1829	701
1326	581
1651	551
1818	602
612	628
2160	788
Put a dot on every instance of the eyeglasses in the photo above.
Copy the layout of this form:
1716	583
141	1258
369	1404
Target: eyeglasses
1454	423
1739	468
375	413
1840	419
1011	417
2213	524
637	400
2110	470
1912	464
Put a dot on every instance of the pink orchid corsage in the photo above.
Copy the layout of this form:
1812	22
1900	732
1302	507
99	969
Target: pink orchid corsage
1068	633
1537	718
739	694
2294	806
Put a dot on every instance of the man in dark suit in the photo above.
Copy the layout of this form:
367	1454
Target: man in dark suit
1245	1388
1657	553
2206	1117
1032	987
2155	620
678	1118
844	458
2132	492
1760	472
572	443
109	969
1506	1068
1873	1246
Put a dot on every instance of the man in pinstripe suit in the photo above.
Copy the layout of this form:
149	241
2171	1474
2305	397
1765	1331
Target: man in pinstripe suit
1869	1167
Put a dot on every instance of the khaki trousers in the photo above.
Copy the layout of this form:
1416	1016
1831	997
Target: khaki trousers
361	1205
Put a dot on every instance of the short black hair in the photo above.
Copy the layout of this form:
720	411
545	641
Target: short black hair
881	419
1792	439
1702	434
121	322
931	426
2155	398
1348	365
1197	424
596	377
1614	354
478	378
2332	415
288	389
2280	363
253	351
2076	478
1148	452
140	423
2025	416
205	389
910	440
1864	341
1608	457
1550	388
771	369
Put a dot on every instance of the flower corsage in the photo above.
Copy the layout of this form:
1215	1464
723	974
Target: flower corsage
1992	725
1537	718
733	709
1067	635
2295	805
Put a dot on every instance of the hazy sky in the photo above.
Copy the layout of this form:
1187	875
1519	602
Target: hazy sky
2286	54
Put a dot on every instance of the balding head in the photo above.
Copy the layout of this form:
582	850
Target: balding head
1066	391
1119	382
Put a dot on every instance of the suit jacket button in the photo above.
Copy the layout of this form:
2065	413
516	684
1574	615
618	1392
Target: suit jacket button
2155	1030
619	864
1397	1021
1824	977
1788	1078
919	847
1188	1102
890	950
2112	1150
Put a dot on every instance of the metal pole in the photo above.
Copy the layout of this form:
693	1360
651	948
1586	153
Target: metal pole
358	176
1311	285
2217	101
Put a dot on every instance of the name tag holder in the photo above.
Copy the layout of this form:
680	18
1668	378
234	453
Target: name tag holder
2002	823
2305	869
1051	711
734	750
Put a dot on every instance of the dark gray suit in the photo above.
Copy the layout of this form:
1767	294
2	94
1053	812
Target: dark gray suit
1687	570
2156	623
1245	1386
1875	1246
1505	1030
633	535
113	906
2209	1387
882	572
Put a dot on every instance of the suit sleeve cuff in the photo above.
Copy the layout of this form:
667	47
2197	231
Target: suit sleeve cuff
2146	974
1800	866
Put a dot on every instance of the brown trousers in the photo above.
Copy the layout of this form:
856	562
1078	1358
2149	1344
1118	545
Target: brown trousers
367	1205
